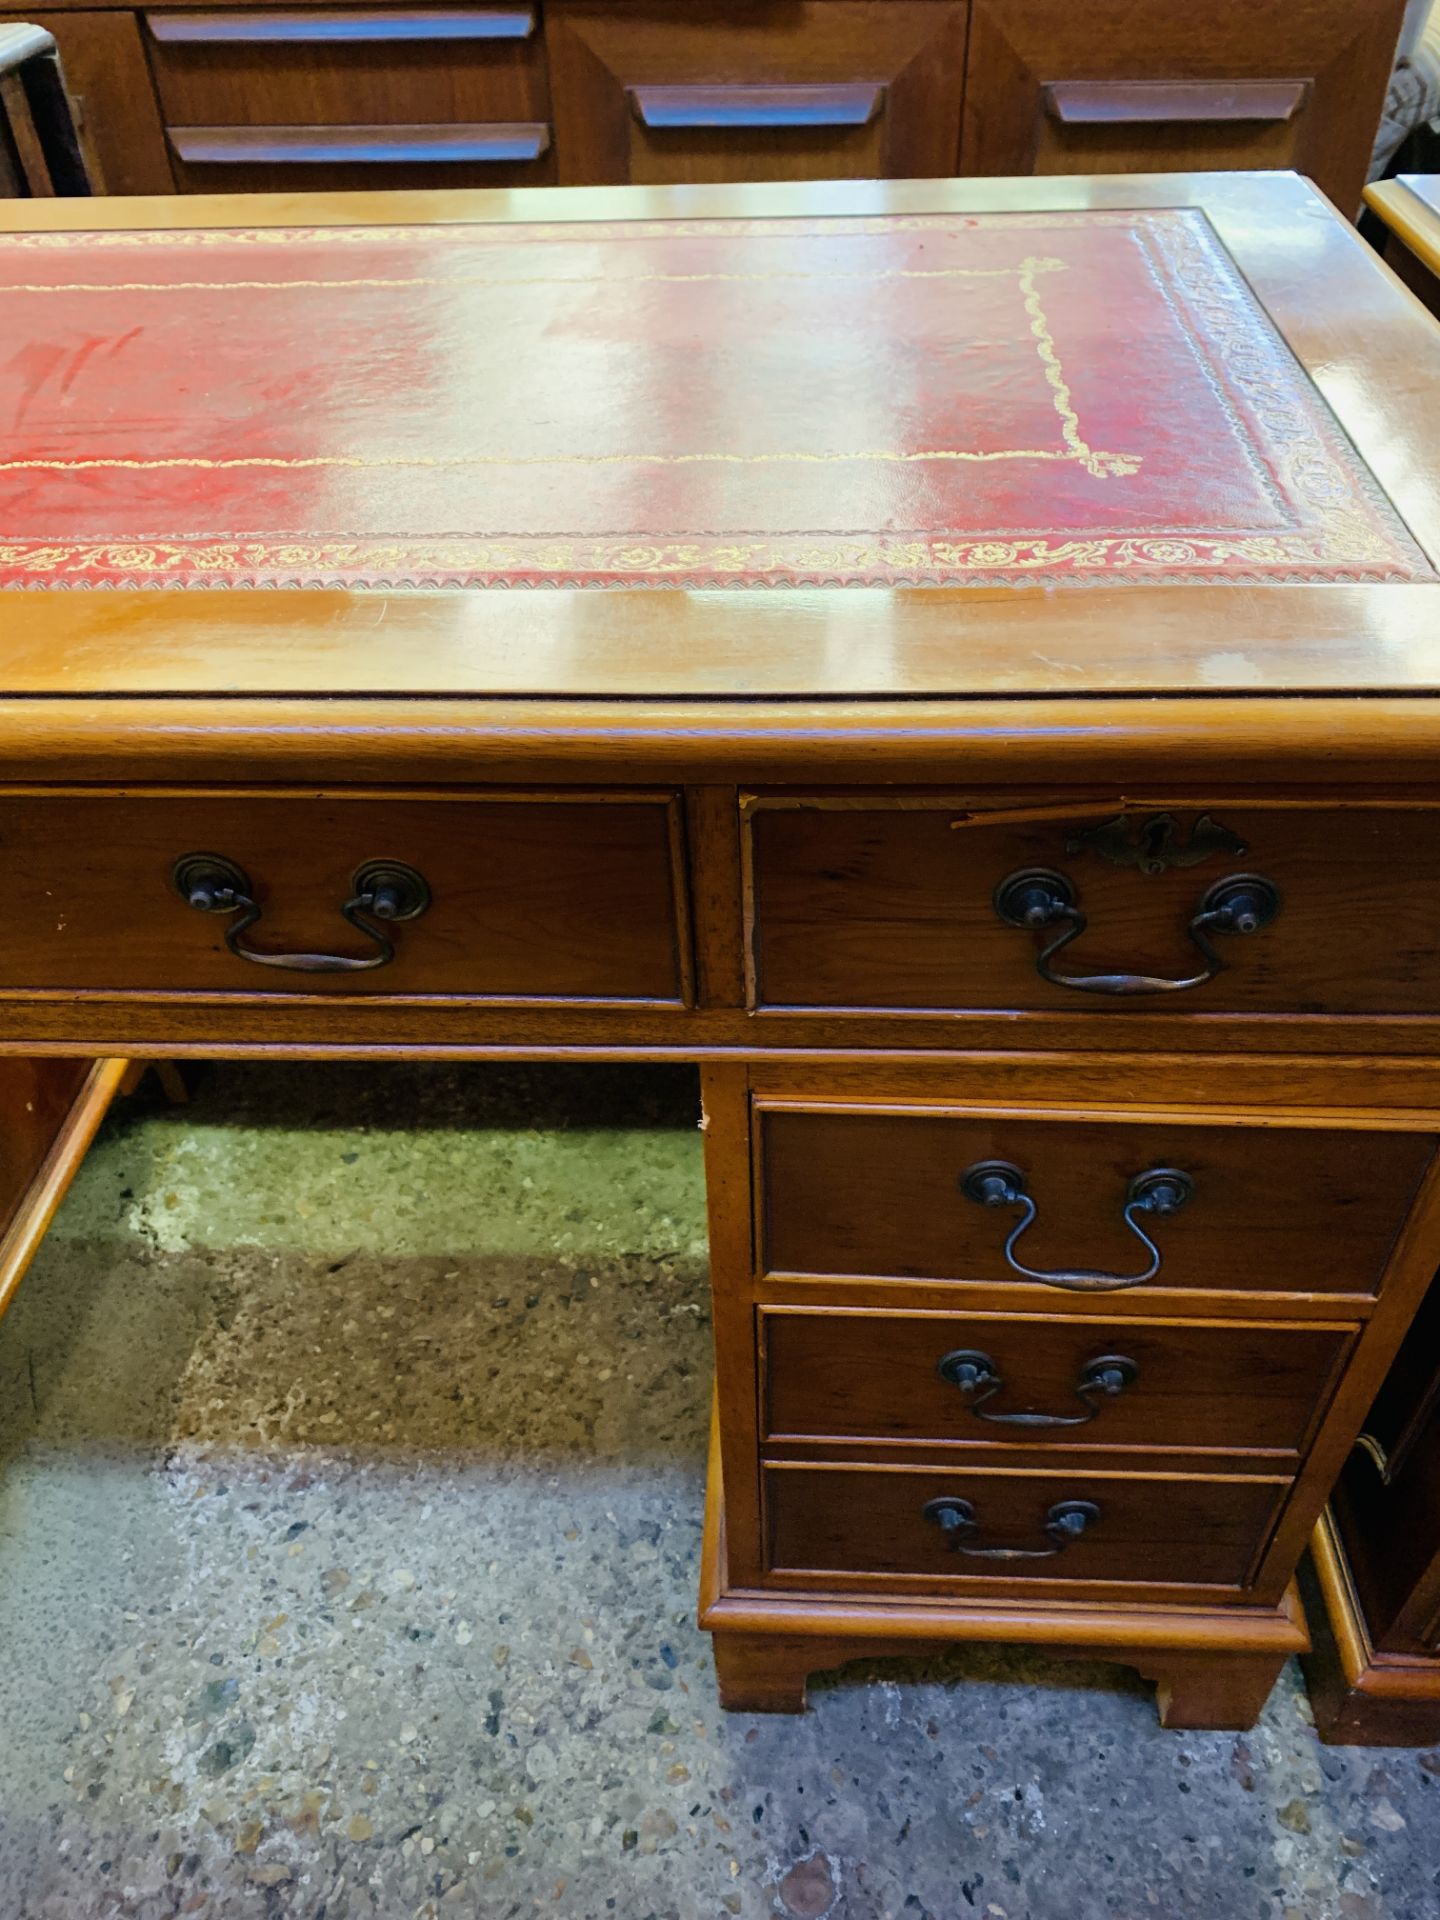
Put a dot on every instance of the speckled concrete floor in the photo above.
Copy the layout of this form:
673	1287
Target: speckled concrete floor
351	1452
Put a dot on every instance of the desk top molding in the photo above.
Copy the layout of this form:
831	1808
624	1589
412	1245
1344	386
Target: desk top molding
1372	357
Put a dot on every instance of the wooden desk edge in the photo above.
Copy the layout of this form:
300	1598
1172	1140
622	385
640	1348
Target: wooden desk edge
349	741
21	1241
1408	218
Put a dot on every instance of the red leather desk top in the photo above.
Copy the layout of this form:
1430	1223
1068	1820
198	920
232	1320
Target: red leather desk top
929	399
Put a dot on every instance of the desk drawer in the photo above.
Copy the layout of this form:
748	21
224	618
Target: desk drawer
919	905
939	1526
260	97
931	1377
524	897
865	1191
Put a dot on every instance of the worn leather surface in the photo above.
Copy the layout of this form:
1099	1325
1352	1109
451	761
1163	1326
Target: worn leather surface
886	400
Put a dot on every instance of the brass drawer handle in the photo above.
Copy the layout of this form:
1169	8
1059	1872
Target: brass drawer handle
381	890
1157	1193
1064	1524
974	1373
1037	898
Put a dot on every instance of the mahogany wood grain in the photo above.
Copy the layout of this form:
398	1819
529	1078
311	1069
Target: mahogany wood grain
1343	53
533	897
848	1373
816	90
864	1192
1152	1532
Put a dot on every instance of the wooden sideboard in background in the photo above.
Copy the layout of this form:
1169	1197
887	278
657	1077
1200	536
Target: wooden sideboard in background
598	92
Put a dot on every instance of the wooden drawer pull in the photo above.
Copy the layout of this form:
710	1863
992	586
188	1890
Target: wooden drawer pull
977	1378
797	106
1158	1193
1110	103
360	146
262	28
1037	898
381	890
1064	1524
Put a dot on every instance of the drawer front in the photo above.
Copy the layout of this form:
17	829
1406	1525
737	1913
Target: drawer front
815	90
265	98
1270	1209
1054	88
1120	1383
532	898
897	906
941	1526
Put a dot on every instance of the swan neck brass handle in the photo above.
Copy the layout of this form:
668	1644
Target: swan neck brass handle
1066	1521
1039	899
978	1379
381	893
1155	1194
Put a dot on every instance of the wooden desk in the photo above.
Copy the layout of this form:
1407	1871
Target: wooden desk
925	652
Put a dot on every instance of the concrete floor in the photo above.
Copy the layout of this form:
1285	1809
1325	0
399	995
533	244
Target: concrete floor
351	1451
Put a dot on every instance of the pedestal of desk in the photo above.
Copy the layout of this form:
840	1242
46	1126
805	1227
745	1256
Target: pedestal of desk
1212	1669
923	1439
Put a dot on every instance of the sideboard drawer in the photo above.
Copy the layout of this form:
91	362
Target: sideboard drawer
1277	1209
882	904
263	97
893	1521
523	897
812	90
848	1375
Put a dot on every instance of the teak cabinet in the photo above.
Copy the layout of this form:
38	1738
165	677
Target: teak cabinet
600	92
